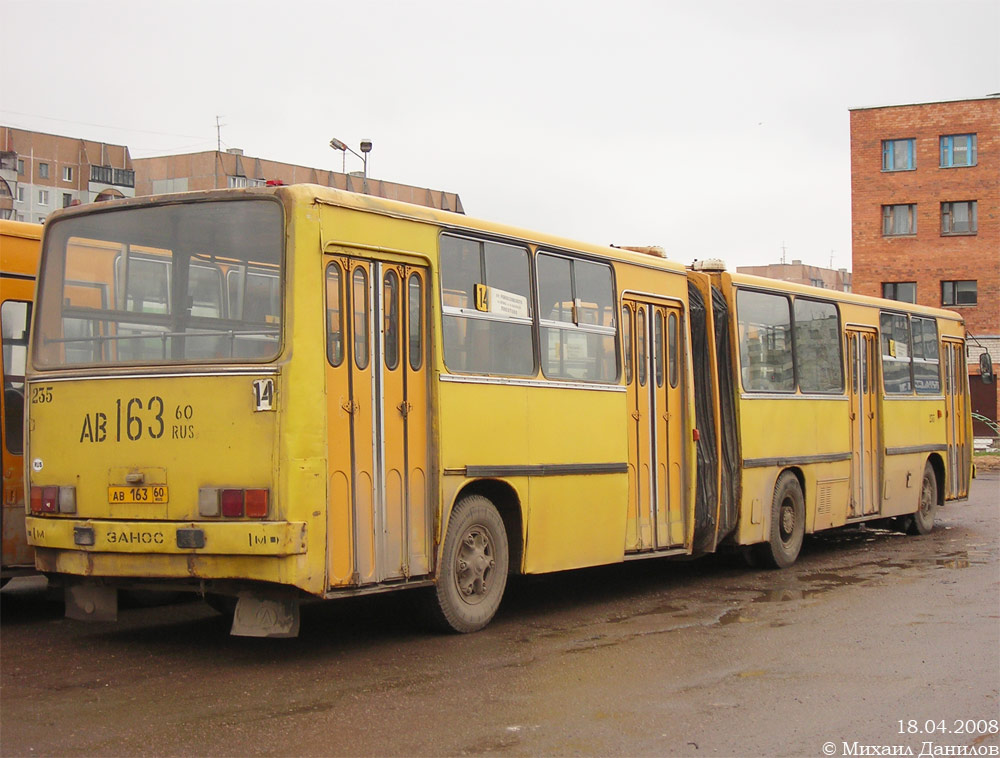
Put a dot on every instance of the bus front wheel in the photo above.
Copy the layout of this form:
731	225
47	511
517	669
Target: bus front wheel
922	521
788	524
473	571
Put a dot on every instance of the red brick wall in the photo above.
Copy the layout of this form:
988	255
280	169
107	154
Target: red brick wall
928	258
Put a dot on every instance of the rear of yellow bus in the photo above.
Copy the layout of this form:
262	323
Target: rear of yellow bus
157	372
19	245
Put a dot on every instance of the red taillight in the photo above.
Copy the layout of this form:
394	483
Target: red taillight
232	503
256	502
53	499
50	499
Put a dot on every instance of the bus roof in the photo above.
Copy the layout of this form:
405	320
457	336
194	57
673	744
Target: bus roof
778	285
314	193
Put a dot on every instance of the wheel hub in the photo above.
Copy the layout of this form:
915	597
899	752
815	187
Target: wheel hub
787	520
474	567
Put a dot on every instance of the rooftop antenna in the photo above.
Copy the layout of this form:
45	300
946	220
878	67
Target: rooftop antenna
782	251
218	134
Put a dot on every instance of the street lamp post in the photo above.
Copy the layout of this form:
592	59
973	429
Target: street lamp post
366	147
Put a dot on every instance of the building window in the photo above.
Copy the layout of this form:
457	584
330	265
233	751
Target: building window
899	155
960	292
242	181
20	166
101	174
43	170
959	218
905	292
813	281
43	197
958	150
21	193
67	173
67	199
899	220
124	177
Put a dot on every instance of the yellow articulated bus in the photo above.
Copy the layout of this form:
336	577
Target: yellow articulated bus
276	394
20	243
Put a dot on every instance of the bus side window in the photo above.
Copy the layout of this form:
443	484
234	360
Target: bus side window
640	345
672	349
334	316
360	324
15	315
390	307
414	321
627	342
658	347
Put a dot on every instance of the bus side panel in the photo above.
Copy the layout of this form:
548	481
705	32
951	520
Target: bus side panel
571	520
577	520
907	423
773	429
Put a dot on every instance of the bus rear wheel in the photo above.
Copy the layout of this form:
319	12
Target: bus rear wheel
788	524
473	571
922	522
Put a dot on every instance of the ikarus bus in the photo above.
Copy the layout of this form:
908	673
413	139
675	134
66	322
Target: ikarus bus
272	395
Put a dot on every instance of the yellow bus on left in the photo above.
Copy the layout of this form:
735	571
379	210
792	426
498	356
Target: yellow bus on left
19	250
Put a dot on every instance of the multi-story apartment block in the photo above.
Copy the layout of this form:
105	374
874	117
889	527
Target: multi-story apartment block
801	273
215	169
42	172
925	204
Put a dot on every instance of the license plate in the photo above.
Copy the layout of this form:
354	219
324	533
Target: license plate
150	493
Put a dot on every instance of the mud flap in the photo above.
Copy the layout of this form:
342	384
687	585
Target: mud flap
91	602
259	615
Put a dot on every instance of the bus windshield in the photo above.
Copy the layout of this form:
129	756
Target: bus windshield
178	283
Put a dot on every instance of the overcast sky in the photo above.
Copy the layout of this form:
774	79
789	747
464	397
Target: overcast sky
715	128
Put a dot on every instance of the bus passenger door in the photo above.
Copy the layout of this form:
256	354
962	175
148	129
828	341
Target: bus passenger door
862	381
377	407
956	434
638	533
651	335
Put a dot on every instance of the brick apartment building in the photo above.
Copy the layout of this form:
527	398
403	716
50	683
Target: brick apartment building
925	205
800	273
214	169
42	172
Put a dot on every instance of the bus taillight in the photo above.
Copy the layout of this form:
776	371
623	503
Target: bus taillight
256	503
233	503
53	499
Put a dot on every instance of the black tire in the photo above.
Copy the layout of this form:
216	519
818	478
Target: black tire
473	571
922	522
788	524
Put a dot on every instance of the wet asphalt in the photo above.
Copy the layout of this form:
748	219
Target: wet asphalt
871	639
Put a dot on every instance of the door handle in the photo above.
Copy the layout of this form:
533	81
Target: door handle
404	408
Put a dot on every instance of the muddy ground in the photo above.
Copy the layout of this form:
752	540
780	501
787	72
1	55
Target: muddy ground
868	632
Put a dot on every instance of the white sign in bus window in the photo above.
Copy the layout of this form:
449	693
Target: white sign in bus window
501	302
